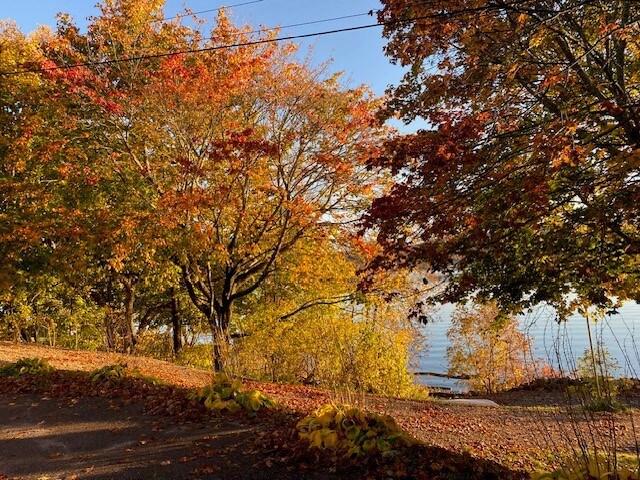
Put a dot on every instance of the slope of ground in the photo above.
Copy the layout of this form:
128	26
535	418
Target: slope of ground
518	437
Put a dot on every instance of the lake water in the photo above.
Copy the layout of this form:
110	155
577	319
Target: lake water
570	339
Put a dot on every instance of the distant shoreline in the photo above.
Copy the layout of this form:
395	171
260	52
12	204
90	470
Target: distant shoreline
442	375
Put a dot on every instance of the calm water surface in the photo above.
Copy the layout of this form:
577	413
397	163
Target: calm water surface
559	345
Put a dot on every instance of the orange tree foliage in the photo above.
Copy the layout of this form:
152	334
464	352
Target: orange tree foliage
197	171
24	199
526	186
489	349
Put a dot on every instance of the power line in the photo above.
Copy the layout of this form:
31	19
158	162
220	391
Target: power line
197	50
182	15
302	24
291	25
311	22
254	42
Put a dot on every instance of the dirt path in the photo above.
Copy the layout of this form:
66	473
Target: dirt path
95	438
515	436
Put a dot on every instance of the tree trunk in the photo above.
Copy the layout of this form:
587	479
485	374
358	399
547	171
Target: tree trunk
593	357
220	331
128	338
104	299
109	331
216	309
25	335
176	322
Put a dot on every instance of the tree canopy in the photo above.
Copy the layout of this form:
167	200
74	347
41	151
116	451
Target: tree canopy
159	185
525	187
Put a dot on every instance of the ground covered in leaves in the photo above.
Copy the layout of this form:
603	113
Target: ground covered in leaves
89	437
68	424
518	437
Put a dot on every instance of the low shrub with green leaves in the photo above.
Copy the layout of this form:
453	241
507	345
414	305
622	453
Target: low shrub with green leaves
112	373
26	366
605	405
119	372
596	468
352	431
230	395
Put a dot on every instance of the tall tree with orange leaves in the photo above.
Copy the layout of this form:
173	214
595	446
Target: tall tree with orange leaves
215	164
24	199
525	188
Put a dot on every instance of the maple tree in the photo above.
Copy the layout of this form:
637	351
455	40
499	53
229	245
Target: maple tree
289	169
525	187
103	225
33	304
20	117
196	174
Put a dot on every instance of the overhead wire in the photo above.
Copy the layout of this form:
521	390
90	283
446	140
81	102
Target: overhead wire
256	42
310	22
190	14
294	25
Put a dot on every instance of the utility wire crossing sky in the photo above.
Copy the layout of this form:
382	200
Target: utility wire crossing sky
359	54
243	44
355	49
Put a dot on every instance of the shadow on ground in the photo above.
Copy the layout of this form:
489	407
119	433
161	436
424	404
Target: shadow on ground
100	438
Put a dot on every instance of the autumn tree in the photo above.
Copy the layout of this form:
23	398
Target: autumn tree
29	290
24	198
104	227
525	186
211	166
489	349
289	169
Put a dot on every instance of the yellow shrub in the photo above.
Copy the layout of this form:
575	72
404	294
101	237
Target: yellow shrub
331	350
352	431
225	394
296	328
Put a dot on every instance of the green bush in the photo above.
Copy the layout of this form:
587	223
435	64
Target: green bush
224	394
118	372
113	373
353	431
599	379
26	366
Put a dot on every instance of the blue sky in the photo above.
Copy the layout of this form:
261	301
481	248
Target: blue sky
359	54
